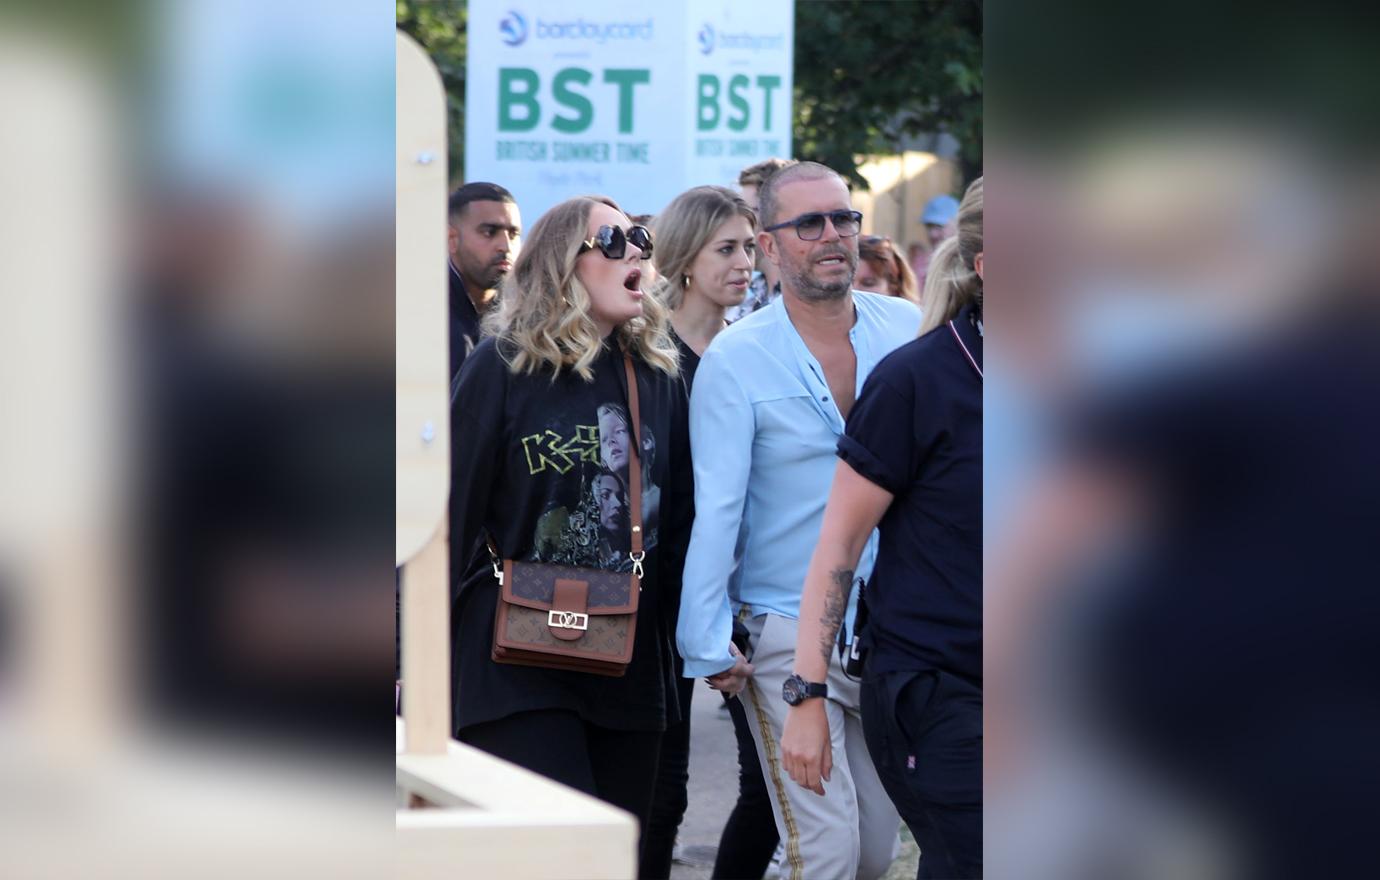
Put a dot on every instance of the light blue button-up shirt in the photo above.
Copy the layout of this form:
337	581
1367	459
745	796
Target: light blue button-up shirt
763	430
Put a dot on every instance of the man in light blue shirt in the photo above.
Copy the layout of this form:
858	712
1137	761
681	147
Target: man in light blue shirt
769	403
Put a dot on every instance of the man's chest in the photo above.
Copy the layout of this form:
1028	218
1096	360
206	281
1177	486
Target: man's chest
840	366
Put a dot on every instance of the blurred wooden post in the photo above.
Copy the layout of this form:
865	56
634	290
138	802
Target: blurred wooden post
425	648
423	401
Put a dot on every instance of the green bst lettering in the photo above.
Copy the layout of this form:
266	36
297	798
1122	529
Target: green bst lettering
584	110
626	80
767	83
735	97
708	114
511	97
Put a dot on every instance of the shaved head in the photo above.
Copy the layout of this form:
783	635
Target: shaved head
768	199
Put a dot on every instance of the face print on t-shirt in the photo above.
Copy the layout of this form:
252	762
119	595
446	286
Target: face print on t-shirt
594	529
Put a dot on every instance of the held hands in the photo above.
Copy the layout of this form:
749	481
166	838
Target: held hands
731	681
806	751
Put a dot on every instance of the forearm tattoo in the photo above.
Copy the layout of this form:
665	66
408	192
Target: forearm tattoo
835	607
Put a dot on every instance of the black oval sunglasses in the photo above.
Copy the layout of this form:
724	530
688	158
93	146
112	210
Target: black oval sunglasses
612	242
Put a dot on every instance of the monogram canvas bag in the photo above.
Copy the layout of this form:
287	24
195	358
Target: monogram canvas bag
563	617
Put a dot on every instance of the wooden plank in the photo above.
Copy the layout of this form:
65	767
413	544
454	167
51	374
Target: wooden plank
422	365
517	852
467	776
491	819
426	647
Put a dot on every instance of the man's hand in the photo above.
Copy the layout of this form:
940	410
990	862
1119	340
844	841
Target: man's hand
731	681
805	748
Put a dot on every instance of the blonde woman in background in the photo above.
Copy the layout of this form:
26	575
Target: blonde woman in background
706	250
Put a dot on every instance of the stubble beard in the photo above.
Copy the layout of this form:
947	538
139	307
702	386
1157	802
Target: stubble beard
810	290
495	278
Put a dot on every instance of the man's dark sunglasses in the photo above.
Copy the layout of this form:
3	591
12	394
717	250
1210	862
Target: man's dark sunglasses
612	242
809	227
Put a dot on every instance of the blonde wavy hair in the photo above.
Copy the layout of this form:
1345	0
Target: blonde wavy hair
952	282
684	227
543	317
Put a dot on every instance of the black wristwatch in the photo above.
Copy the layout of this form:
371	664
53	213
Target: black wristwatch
796	690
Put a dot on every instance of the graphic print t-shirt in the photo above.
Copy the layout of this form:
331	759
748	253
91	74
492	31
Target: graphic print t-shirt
545	468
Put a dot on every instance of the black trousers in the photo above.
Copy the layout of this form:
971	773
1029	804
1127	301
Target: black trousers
617	766
924	732
670	797
749	837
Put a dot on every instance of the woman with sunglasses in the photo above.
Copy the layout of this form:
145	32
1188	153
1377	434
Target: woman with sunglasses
532	471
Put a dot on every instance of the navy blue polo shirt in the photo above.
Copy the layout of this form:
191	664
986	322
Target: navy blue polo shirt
916	431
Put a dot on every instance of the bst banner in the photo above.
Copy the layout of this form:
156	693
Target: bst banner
634	102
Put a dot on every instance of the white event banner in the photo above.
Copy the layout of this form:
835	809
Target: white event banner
634	101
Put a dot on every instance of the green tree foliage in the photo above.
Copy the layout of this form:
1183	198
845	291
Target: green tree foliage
441	28
869	73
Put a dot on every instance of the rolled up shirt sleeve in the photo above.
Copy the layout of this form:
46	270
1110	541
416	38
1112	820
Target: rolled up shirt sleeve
722	427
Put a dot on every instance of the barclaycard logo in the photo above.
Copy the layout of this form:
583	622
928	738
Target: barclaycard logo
709	41
514	31
513	28
706	37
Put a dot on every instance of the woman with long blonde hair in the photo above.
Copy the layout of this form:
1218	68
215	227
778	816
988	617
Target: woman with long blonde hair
541	468
707	247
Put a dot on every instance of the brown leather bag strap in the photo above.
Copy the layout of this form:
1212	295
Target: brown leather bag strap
635	466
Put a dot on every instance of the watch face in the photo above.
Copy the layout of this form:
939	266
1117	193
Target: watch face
791	691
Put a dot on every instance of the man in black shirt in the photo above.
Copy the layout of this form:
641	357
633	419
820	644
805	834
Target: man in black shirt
484	228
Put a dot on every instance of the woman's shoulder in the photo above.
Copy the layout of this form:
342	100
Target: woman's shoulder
496	355
907	360
486	355
886	308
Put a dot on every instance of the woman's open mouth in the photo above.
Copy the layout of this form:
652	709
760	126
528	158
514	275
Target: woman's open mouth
633	279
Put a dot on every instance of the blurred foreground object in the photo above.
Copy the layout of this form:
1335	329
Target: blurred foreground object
193	542
1181	623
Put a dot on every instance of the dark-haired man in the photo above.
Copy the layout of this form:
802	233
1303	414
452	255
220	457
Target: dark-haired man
484	229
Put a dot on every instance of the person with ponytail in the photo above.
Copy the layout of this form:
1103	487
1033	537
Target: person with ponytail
955	272
910	465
